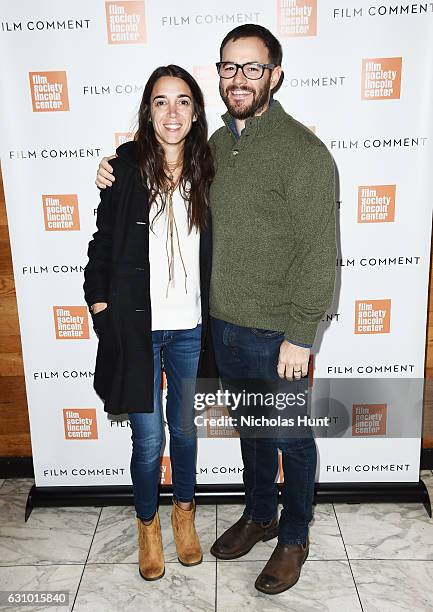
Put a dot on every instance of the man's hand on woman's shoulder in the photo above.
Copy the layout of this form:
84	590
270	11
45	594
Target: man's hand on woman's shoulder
105	177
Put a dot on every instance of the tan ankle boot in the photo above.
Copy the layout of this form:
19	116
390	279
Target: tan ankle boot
185	536
150	556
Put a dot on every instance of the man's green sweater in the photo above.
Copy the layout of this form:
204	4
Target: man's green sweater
273	212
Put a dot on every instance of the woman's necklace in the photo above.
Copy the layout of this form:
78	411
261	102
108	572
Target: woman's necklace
171	168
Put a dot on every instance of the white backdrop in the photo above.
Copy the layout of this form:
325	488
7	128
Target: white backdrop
358	73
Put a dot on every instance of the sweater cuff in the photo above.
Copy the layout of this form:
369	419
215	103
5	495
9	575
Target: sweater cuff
297	343
301	333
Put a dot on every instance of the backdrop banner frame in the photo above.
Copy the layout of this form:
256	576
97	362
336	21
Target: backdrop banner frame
360	78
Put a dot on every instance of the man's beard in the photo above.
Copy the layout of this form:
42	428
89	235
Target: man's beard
260	99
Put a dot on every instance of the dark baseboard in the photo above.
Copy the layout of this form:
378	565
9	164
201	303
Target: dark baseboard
121	495
16	467
427	459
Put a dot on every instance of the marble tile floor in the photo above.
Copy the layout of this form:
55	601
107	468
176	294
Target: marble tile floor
363	557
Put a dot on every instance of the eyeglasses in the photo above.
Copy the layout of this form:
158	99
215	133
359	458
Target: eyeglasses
252	70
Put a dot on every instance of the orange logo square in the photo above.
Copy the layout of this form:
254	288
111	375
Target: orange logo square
61	212
207	78
372	316
165	470
71	322
126	22
297	17
49	91
376	203
217	423
381	78
80	423
121	137
369	419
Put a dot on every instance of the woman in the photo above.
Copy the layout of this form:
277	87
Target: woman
147	286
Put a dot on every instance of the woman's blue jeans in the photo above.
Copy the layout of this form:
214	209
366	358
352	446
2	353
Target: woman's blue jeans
181	351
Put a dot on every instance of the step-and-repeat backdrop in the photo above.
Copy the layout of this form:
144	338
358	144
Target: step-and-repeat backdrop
358	73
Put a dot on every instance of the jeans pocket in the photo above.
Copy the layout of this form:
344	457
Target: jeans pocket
266	333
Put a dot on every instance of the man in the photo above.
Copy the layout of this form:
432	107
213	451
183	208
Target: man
274	250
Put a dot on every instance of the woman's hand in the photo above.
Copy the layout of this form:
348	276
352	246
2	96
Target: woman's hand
98	307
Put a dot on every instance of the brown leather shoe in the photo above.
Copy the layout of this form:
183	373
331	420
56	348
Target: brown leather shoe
239	539
283	569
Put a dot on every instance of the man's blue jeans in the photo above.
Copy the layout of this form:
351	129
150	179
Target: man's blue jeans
248	353
181	352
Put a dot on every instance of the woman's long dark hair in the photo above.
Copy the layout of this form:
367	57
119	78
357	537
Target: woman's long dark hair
197	169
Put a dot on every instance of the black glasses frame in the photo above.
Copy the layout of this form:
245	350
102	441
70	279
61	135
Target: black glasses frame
241	66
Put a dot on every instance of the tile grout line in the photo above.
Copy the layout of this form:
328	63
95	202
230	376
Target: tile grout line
55	564
87	558
347	555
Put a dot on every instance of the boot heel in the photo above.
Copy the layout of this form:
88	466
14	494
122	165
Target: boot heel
151	579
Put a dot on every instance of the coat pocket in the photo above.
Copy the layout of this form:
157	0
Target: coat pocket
108	355
100	321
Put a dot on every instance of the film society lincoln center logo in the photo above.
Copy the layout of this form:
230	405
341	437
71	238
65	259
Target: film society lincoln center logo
218	425
376	203
80	423
280	475
61	212
297	17
71	322
381	78
372	316
369	419
207	77
122	137
126	22
49	91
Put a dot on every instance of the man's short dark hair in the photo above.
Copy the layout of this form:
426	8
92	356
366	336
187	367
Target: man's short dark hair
249	30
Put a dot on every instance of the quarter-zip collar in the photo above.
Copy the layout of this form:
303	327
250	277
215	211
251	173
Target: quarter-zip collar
259	125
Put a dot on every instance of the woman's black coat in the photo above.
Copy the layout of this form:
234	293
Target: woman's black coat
118	273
